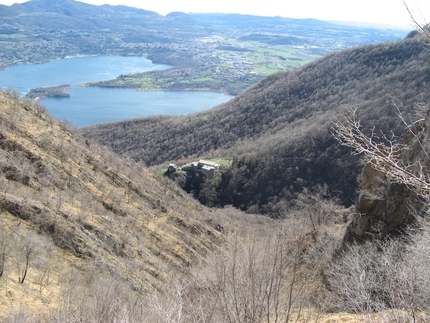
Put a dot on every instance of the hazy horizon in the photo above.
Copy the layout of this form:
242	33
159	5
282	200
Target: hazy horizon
387	12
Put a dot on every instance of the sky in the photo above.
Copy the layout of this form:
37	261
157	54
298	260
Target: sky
391	12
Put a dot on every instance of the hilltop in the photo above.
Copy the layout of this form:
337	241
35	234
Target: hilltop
278	132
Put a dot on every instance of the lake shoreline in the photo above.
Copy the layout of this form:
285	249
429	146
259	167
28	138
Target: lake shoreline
91	105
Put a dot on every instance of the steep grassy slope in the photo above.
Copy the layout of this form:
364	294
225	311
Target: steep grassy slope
73	214
279	130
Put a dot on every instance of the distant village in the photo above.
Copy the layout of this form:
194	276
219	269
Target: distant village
202	168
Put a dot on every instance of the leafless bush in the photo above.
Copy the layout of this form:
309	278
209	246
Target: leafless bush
180	304
384	275
259	279
96	297
31	249
412	273
317	206
356	279
41	110
13	93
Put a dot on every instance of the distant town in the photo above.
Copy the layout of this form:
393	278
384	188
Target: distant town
222	53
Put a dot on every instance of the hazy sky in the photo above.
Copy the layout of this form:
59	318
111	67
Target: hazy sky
376	11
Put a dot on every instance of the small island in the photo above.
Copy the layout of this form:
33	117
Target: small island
58	91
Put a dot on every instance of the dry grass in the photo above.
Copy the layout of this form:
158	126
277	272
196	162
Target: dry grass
93	206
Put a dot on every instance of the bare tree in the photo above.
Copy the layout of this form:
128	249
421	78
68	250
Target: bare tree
401	162
318	206
5	241
174	306
423	25
32	250
260	278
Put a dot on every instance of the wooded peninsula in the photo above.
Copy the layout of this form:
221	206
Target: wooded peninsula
58	91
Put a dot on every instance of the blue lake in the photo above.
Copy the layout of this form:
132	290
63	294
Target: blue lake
92	105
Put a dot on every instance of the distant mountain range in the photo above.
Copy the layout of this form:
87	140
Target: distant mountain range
46	15
63	14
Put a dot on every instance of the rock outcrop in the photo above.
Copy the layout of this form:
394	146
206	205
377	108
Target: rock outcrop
388	202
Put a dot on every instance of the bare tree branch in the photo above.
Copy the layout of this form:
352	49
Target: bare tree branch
385	154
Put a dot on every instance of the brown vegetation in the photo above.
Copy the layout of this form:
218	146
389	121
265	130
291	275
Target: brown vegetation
70	207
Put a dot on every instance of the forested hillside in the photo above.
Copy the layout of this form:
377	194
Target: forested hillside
278	131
